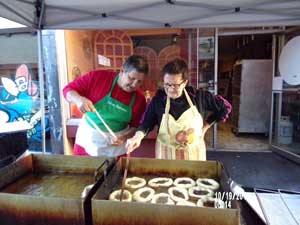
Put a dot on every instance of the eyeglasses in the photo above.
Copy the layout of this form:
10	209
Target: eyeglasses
176	86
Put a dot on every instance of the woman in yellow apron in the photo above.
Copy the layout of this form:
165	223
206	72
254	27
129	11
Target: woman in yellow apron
178	110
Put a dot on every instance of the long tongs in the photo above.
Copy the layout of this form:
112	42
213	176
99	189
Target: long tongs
125	175
98	129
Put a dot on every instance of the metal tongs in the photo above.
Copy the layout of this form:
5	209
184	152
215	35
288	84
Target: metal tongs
104	135
108	141
124	176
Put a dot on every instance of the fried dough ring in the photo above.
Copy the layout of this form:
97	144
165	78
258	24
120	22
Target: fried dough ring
130	183
137	195
200	192
184	182
208	183
182	191
160	182
157	197
115	196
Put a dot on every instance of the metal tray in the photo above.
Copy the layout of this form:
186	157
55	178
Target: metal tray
274	207
107	212
46	189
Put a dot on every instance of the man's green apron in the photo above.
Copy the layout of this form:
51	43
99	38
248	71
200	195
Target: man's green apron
116	115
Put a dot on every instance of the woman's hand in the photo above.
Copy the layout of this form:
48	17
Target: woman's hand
122	138
134	142
118	141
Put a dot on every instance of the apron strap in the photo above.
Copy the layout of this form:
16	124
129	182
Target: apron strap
188	98
113	85
132	100
167	110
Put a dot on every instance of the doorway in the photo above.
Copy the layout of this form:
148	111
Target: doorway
245	80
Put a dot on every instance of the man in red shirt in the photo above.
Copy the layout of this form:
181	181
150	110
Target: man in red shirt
112	106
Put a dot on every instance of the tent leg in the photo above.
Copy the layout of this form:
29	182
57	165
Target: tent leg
41	88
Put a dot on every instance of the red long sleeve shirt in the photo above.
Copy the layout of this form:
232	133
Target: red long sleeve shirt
95	85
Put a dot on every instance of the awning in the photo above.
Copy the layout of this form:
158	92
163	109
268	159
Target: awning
143	14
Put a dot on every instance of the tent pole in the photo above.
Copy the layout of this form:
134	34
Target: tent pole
197	40
274	49
216	57
41	88
190	54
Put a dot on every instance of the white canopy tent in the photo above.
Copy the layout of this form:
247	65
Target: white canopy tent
37	15
127	14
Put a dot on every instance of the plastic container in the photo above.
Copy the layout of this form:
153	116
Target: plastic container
285	131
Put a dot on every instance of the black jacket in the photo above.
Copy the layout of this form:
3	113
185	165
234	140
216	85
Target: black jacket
212	108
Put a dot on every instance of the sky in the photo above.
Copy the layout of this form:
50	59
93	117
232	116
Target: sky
5	23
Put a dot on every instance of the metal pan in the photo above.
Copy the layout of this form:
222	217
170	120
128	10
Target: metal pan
107	212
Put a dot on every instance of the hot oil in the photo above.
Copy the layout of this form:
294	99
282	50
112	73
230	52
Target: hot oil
66	185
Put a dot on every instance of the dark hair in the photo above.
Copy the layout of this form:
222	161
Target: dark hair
136	63
176	66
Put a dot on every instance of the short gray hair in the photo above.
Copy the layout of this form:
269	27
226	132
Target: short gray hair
136	63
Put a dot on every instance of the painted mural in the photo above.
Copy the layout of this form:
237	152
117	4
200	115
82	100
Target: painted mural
19	101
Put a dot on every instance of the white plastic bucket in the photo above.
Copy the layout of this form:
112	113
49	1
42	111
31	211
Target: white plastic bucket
285	131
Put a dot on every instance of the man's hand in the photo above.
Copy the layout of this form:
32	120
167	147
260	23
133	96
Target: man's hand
84	104
134	142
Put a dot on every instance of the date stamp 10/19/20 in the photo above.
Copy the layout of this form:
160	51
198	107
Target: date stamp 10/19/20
227	198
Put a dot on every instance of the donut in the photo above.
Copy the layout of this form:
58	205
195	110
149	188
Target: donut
208	183
160	182
200	192
162	198
211	202
178	194
115	196
134	183
200	202
184	182
144	194
185	203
